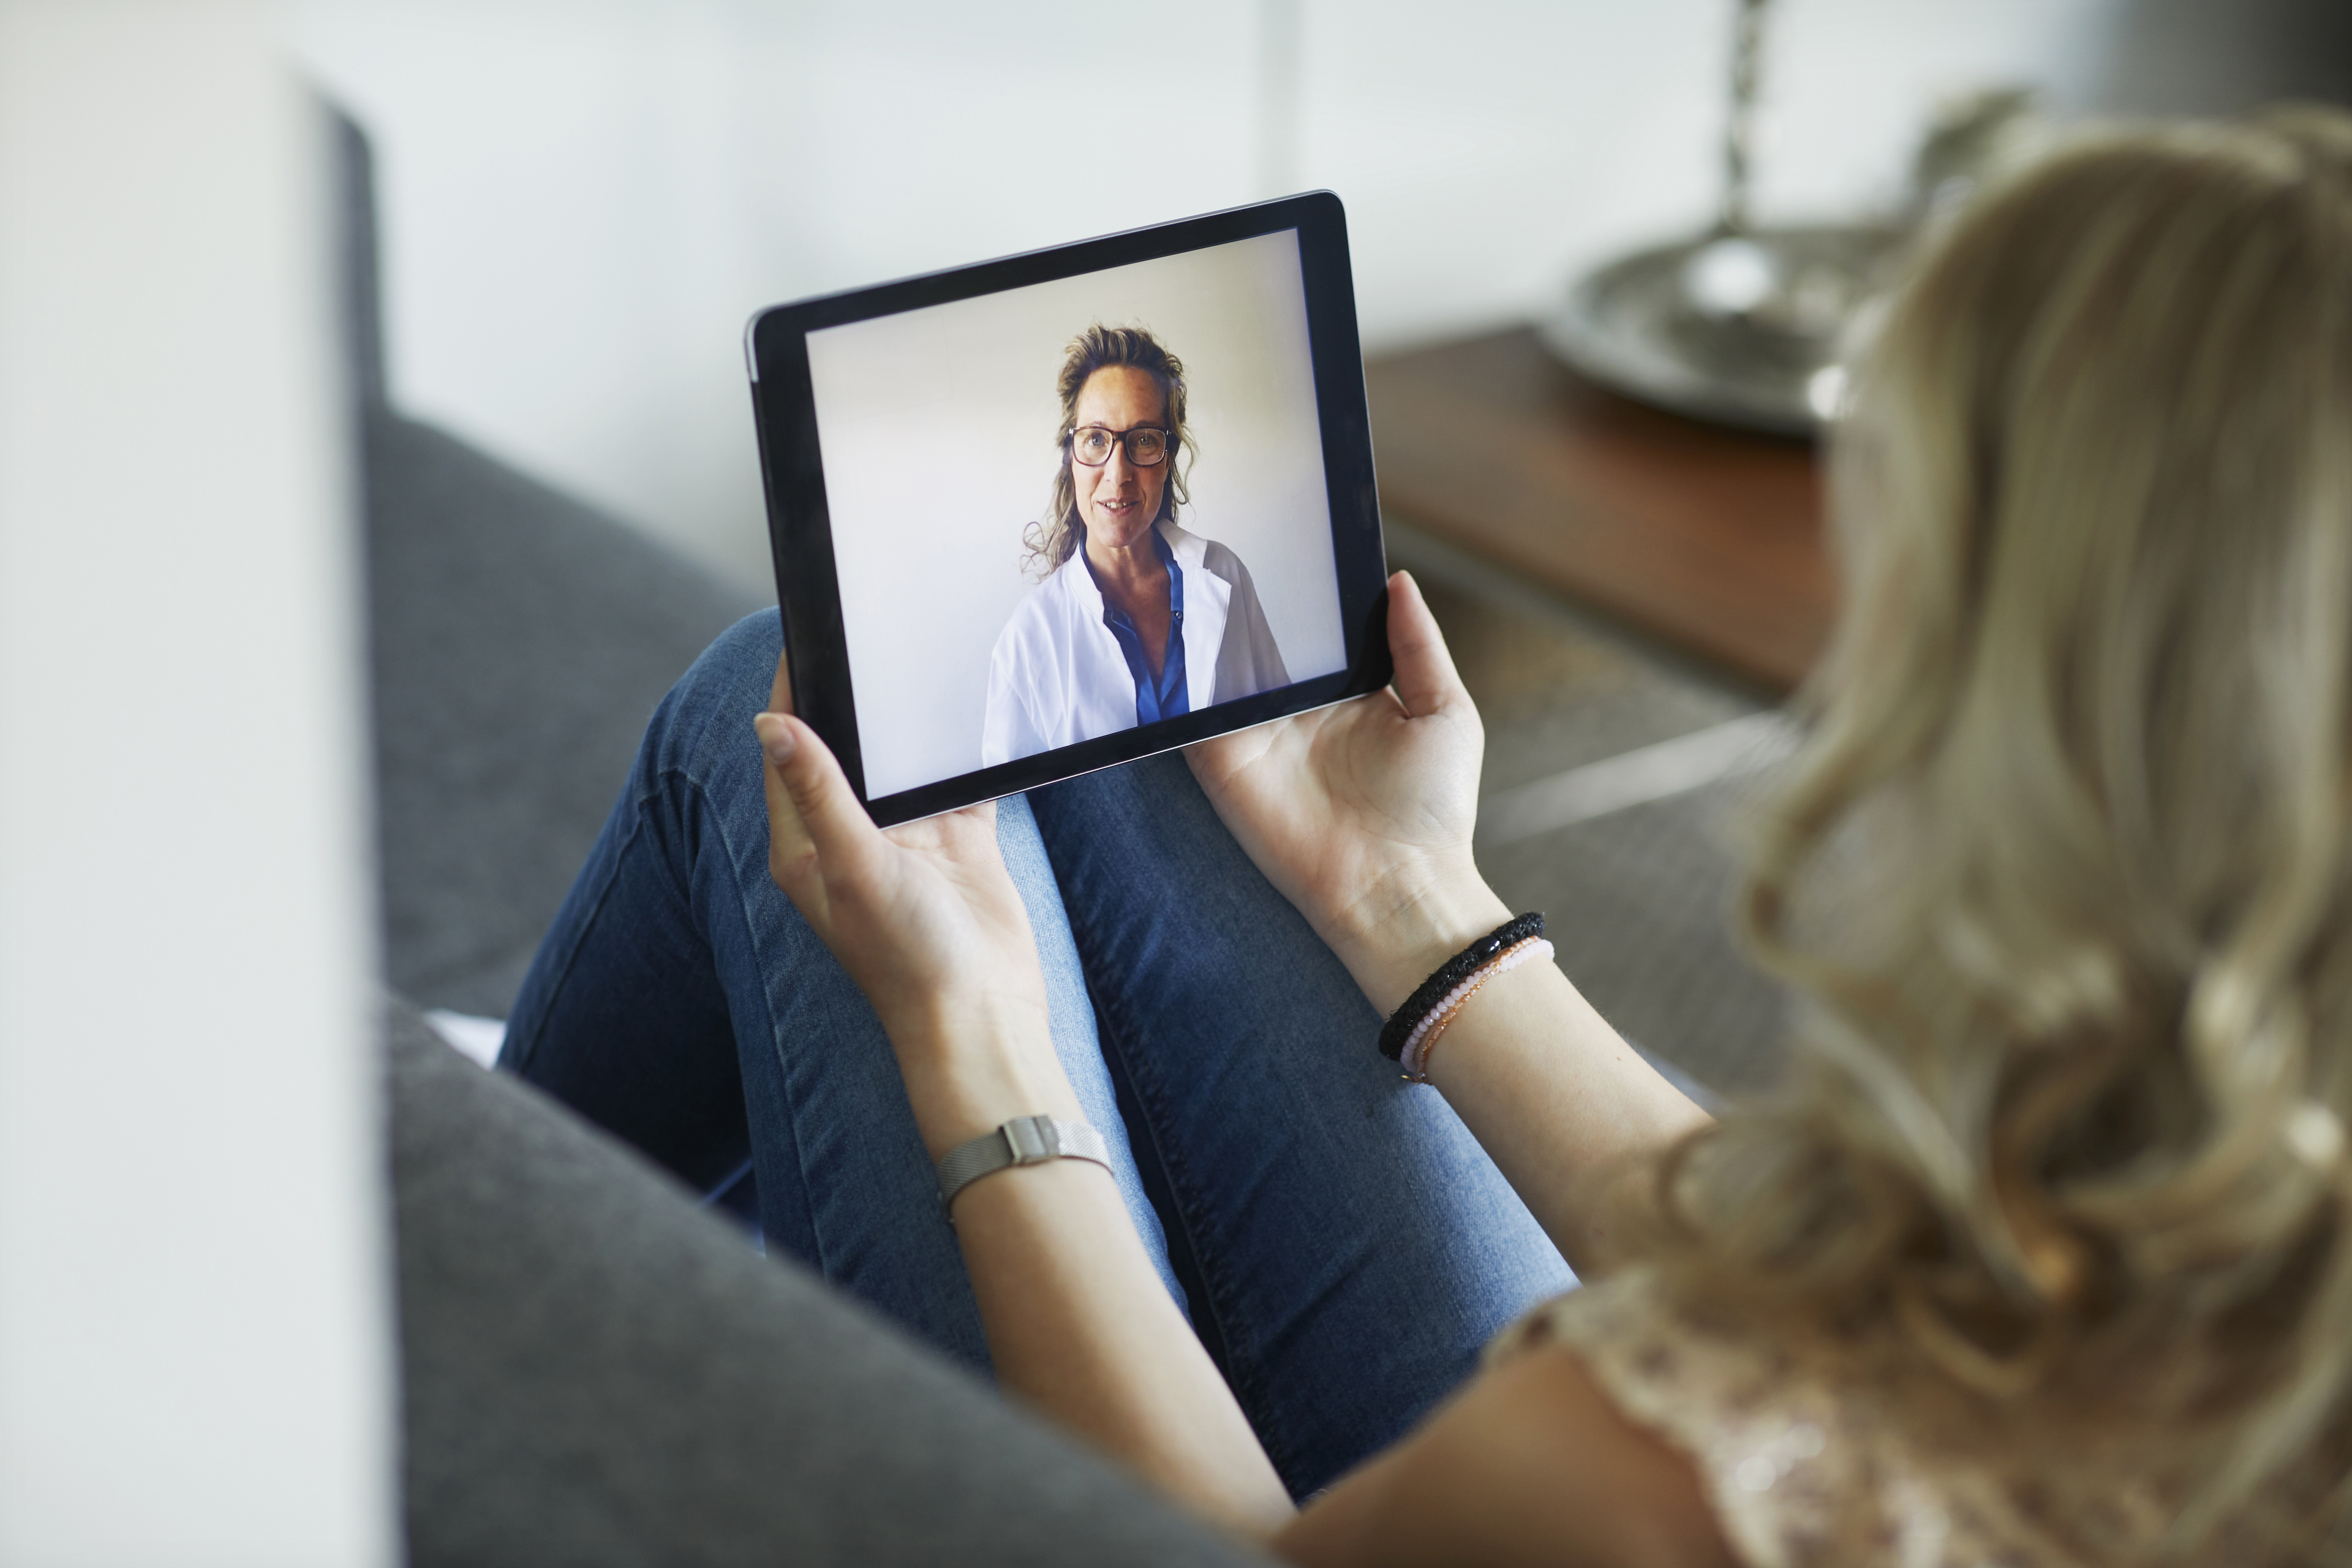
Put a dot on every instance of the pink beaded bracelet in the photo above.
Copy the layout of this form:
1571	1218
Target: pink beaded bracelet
1414	1058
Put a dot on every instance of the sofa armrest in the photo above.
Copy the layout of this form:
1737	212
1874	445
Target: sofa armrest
597	1372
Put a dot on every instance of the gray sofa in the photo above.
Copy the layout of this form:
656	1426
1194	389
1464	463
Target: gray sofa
594	1372
595	1369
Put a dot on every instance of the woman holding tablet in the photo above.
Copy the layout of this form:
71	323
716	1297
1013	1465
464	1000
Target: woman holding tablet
1137	619
2045	1258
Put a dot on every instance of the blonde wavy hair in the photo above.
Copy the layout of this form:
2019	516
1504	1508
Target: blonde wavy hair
2063	877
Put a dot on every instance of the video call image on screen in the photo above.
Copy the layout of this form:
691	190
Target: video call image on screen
1036	545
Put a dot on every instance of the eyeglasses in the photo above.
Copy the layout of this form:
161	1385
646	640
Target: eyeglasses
1146	444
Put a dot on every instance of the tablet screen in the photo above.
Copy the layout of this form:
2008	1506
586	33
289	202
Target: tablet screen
1048	513
990	576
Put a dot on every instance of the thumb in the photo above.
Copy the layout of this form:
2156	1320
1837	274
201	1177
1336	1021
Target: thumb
1425	681
812	811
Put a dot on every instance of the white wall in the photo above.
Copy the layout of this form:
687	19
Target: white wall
938	429
585	198
194	1317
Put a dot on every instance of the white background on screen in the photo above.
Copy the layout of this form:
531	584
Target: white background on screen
937	427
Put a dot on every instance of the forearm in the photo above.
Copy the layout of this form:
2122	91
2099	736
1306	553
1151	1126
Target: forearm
1565	1107
1553	1093
1081	1328
1078	1323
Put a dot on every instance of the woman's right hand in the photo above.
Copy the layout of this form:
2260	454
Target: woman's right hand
1362	813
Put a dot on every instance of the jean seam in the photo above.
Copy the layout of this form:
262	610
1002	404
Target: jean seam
1246	1364
717	822
578	935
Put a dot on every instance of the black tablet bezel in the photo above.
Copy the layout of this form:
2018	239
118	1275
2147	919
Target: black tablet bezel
800	530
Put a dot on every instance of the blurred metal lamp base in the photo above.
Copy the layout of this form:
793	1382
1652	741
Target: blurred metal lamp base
1740	328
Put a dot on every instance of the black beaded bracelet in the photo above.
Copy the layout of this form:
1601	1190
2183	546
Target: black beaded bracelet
1452	972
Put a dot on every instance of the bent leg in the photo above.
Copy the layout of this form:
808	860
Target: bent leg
677	972
1356	1247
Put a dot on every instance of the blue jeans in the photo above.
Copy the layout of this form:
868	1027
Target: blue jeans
1341	1242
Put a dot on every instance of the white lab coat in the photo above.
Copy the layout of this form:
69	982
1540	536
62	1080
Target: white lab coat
1058	675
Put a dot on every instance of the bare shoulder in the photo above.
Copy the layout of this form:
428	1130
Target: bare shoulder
1531	1464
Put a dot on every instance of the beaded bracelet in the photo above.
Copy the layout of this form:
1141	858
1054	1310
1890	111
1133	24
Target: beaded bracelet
1424	1002
1415	1057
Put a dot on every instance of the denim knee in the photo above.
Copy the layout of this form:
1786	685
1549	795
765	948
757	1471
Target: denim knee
705	721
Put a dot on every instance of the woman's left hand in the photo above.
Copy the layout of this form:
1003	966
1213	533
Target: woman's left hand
924	917
1362	813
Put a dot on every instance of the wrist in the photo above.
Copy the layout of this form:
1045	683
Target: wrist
967	1071
1399	936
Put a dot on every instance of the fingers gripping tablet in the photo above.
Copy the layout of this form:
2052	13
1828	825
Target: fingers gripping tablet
1053	513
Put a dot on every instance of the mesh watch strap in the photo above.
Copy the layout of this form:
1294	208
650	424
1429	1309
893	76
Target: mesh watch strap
1024	1140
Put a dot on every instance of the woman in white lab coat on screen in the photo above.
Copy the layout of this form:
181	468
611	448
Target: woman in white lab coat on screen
1136	620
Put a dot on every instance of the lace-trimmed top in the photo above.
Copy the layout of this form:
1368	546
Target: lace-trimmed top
1803	1467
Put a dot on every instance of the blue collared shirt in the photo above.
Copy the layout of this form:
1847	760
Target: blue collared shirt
1166	698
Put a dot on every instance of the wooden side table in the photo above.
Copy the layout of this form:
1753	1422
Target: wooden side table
1705	539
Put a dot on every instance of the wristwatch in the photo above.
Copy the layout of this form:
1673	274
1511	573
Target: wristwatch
1024	1140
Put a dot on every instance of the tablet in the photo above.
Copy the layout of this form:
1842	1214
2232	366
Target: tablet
1056	511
